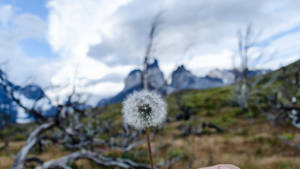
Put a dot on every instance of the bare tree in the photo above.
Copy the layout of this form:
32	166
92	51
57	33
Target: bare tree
246	42
149	48
68	129
75	128
279	100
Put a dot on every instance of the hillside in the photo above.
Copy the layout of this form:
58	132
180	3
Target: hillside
206	127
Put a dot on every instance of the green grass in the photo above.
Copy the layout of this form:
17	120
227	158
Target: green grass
249	140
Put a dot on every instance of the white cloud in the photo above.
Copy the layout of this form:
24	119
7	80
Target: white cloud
29	26
210	60
6	13
108	37
74	26
14	28
212	24
103	40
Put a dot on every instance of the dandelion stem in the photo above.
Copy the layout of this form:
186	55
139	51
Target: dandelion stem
149	148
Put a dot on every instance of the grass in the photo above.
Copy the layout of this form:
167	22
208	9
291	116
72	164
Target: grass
250	141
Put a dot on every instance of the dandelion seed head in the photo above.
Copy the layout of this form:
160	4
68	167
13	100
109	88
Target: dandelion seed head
144	109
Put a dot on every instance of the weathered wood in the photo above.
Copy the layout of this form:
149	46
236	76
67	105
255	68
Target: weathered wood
31	141
92	156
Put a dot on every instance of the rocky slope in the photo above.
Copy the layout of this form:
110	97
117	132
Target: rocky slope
29	96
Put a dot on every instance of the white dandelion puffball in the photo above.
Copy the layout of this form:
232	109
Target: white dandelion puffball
144	109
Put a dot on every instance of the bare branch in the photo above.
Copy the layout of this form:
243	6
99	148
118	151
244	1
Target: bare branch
97	158
31	141
149	48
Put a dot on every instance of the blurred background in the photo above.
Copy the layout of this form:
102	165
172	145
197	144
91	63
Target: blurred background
229	71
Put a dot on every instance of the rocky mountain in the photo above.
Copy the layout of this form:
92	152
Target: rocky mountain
181	79
32	92
155	76
184	79
133	82
227	75
8	111
30	95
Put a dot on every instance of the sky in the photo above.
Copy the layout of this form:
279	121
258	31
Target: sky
94	44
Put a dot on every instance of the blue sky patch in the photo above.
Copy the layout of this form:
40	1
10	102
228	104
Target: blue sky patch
37	7
37	48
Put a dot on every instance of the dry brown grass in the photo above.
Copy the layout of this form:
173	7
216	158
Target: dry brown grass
259	148
6	158
5	162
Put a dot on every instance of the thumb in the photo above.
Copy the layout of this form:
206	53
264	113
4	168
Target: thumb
222	166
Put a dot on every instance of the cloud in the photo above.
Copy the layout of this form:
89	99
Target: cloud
15	27
277	36
6	13
98	42
103	40
74	26
113	77
188	25
29	26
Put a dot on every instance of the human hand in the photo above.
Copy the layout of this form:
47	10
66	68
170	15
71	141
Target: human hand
221	166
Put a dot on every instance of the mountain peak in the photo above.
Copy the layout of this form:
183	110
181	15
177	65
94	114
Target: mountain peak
181	79
33	92
154	64
133	72
133	82
180	69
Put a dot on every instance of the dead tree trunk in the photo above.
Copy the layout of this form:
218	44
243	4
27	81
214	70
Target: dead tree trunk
246	42
92	156
31	141
149	48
